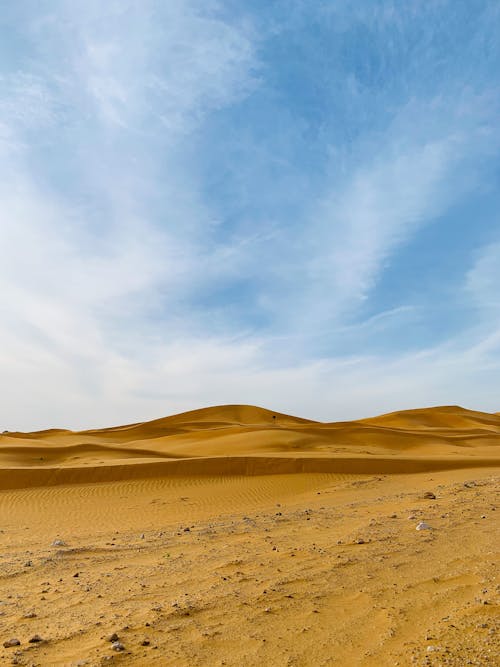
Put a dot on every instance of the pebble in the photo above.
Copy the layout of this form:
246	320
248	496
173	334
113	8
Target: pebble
423	526
429	495
11	642
118	646
36	639
113	638
58	543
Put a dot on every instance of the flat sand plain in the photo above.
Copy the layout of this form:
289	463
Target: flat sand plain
238	536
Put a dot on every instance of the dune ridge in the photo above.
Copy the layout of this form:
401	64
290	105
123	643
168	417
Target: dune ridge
248	440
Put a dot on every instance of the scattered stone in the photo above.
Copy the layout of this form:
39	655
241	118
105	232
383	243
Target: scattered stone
431	649
28	563
11	642
423	526
429	495
411	517
76	575
118	646
30	614
113	638
58	543
145	642
142	536
360	540
267	610
469	485
36	639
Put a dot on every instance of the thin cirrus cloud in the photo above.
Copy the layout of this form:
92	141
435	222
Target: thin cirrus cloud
200	205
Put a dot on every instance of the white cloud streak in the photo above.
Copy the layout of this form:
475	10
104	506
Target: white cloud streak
96	279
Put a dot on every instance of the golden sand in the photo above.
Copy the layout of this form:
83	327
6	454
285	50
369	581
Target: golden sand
238	536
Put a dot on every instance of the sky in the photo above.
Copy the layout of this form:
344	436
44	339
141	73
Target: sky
292	204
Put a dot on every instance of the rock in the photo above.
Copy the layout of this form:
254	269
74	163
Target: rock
118	646
411	517
113	638
267	610
360	540
423	526
11	642
429	495
142	536
28	563
431	649
145	642
36	639
58	543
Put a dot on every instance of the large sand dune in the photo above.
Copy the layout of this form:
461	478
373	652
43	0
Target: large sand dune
237	536
241	439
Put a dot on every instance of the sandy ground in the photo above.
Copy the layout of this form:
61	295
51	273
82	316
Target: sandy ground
215	564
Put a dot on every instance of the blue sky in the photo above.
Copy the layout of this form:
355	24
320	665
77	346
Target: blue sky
291	204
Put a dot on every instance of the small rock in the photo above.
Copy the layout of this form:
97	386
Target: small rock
360	541
431	649
142	536
411	517
58	543
118	646
28	563
11	642
267	610
429	495
113	638
36	639
423	526
145	642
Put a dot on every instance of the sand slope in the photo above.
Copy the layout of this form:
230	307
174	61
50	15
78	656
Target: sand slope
242	439
249	440
241	537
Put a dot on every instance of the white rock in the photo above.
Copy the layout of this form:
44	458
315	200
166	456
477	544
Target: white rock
423	526
58	543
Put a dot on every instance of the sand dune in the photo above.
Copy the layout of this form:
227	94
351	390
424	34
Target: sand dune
237	536
242	439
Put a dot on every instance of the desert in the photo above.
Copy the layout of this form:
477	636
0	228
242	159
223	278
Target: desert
233	535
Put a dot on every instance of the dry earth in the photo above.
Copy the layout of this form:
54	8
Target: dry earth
167	534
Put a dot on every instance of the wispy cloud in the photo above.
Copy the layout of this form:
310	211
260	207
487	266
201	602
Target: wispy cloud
195	209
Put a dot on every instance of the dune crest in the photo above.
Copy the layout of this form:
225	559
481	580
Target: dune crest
245	439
